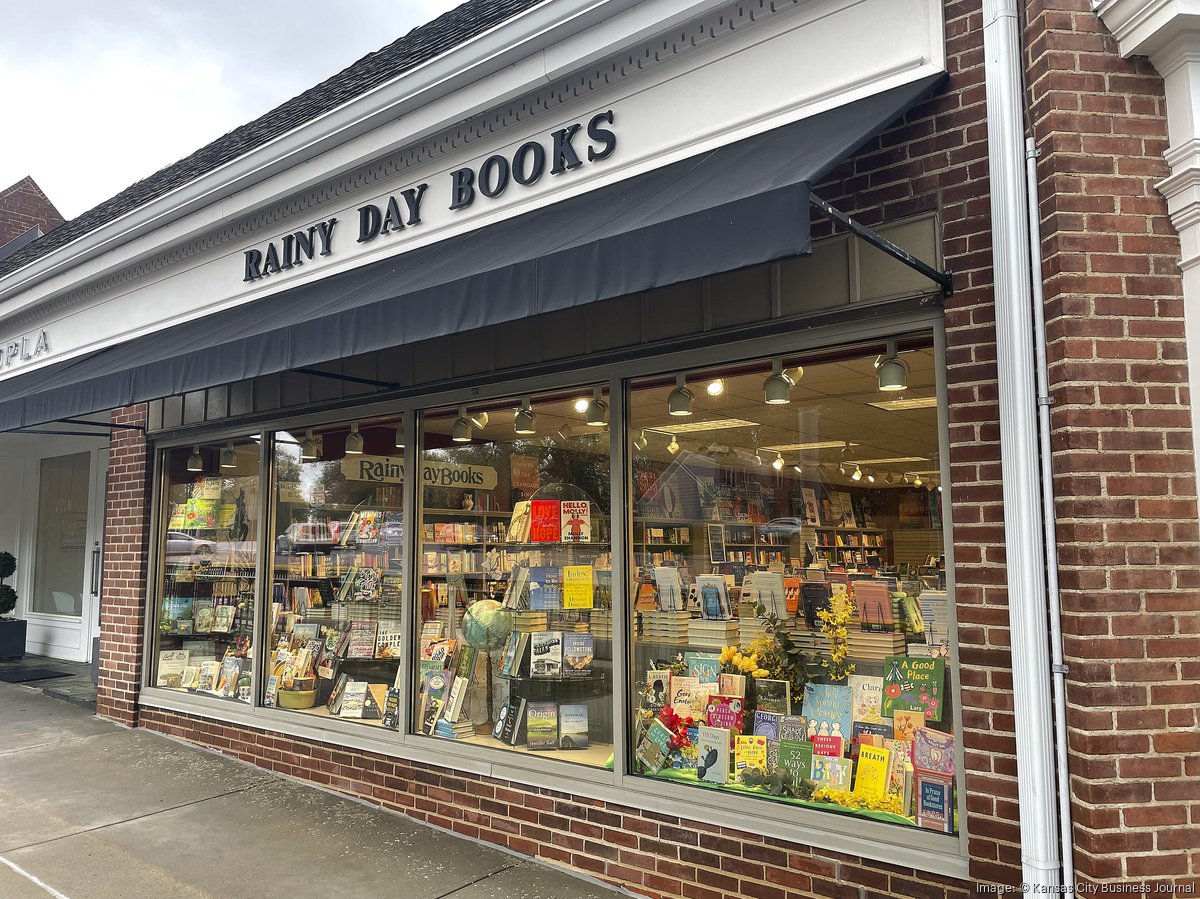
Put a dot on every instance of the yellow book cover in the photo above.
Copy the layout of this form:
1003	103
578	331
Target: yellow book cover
750	752
871	778
577	589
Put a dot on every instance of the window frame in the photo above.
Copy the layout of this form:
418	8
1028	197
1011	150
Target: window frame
910	847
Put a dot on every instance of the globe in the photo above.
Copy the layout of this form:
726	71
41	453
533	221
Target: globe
486	624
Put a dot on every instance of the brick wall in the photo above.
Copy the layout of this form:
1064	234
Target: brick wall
23	206
126	536
653	854
1124	472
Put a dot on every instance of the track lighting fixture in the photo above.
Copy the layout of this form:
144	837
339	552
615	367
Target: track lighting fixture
228	457
870	478
523	420
917	481
479	420
581	405
640	442
195	461
461	432
857	476
797	469
887	479
308	447
778	463
777	388
597	410
354	441
715	387
679	403
891	370
400	436
673	446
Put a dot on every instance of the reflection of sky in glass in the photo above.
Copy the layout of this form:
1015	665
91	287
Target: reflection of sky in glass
310	472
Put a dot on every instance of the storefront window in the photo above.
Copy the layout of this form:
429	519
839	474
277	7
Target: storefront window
335	623
789	606
209	551
515	630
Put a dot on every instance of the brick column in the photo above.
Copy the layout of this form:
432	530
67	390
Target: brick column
1125	475
126	545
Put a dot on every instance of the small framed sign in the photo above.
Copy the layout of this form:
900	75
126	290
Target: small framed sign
716	543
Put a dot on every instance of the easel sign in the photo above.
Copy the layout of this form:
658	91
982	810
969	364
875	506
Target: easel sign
716	543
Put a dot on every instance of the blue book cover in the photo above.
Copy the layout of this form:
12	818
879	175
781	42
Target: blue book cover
573	726
704	666
828	709
545	587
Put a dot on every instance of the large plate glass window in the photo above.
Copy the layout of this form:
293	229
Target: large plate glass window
335	623
515	629
790	620
209	553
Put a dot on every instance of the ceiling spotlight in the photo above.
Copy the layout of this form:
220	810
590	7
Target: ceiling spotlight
308	447
673	446
640	442
480	420
891	370
228	457
797	469
195	461
870	478
523	420
857	476
907	479
581	405
939	488
462	427
917	481
777	387
354	441
597	410
680	400
841	469
778	463
563	435
715	387
399	436
887	479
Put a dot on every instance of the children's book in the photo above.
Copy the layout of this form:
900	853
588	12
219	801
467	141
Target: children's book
828	771
766	724
867	697
933	751
828	745
828	710
658	689
913	684
905	724
793	727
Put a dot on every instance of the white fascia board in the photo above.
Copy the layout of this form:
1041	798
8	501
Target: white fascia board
1143	27
483	72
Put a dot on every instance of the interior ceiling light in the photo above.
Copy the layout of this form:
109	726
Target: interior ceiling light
462	427
906	404
896	460
480	419
815	445
581	405
597	410
870	478
778	463
917	481
719	424
857	476
640	442
680	401
400	436
308	447
228	457
673	446
195	462
715	387
891	370
887	479
777	388
797	469
524	419
939	488
354	441
907	479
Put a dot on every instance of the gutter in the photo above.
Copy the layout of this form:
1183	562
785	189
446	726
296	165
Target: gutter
1024	526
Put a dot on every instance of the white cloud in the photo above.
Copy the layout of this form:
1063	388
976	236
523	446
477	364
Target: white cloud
103	95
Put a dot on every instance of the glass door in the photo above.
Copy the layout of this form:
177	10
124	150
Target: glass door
61	553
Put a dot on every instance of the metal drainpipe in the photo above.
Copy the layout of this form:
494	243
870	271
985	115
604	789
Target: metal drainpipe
1026	564
1058	668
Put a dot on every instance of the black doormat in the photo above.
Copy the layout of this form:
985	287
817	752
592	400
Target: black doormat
21	675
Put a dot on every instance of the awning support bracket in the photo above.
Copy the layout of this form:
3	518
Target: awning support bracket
352	379
945	280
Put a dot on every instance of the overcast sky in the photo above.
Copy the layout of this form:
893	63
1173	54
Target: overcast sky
99	94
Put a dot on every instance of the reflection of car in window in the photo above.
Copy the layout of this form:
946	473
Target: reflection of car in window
302	534
181	544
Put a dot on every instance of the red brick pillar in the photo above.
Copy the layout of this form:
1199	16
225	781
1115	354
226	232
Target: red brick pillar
126	546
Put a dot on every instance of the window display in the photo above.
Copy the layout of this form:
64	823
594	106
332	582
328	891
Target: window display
209	554
515	628
789	611
337	593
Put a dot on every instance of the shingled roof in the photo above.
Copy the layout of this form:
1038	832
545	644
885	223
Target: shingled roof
418	46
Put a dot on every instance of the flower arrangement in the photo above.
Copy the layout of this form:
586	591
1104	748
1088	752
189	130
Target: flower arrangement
678	726
781	654
747	662
889	802
833	627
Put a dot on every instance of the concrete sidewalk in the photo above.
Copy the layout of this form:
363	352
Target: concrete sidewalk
89	810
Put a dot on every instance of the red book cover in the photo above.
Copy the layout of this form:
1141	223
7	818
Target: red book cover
545	523
827	745
725	711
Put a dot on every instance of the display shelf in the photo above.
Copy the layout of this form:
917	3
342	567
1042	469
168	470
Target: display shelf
596	754
320	711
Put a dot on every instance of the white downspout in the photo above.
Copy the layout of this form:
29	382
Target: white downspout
1058	668
1026	563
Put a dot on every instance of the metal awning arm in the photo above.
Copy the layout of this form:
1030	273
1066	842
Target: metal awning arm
945	280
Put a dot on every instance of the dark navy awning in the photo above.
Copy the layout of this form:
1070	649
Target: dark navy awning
743	204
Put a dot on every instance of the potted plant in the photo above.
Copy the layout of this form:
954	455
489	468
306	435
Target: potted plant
12	630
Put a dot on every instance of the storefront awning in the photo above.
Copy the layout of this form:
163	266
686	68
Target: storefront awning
740	205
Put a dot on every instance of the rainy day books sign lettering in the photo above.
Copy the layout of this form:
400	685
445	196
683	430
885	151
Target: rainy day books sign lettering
390	470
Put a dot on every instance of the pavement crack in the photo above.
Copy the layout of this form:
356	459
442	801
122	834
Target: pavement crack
479	879
5	752
86	830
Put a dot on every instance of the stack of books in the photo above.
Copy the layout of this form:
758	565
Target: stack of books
665	627
751	629
602	624
456	731
809	640
713	634
874	645
529	621
935	612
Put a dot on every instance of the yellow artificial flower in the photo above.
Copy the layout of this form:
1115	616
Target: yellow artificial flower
761	672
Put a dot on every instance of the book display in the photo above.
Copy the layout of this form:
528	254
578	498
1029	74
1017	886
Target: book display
206	594
770	534
516	580
336	626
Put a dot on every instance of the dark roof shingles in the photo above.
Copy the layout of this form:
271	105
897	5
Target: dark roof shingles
418	46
